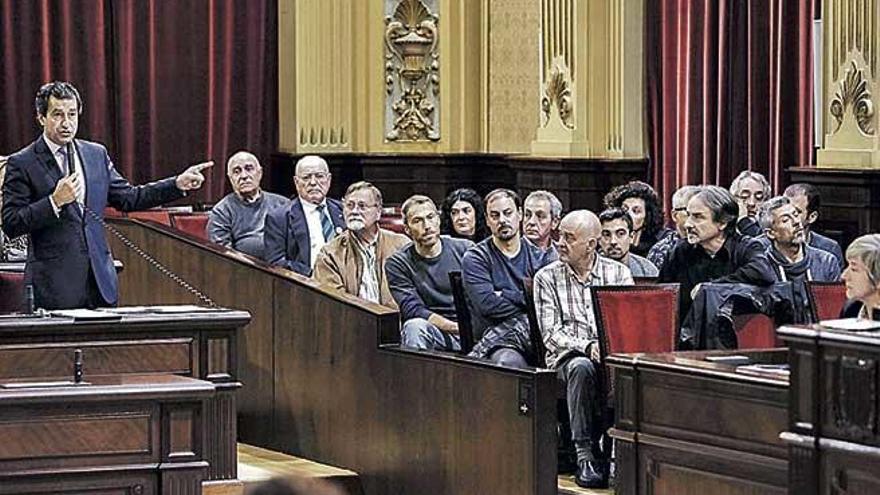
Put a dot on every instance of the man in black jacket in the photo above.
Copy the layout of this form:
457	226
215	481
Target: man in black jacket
713	250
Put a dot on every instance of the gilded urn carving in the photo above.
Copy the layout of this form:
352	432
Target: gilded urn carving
412	80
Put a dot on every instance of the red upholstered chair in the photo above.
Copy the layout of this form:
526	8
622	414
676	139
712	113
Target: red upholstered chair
392	219
11	292
755	331
636	318
158	216
826	299
195	224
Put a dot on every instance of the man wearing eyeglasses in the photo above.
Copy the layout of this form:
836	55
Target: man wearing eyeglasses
659	252
294	236
354	261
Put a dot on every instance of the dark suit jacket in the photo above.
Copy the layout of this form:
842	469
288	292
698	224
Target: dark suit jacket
287	239
63	249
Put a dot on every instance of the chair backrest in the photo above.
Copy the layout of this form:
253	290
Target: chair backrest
195	224
534	329
392	219
462	313
826	299
11	292
645	280
636	318
158	216
755	331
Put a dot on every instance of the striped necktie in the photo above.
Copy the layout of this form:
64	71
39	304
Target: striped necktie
326	225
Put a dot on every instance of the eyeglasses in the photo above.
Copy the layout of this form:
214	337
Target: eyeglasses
680	208
318	176
360	205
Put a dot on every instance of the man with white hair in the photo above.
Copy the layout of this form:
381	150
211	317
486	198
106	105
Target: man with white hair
237	221
354	261
750	189
542	211
295	235
788	251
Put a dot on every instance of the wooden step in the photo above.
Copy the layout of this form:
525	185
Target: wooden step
567	486
256	464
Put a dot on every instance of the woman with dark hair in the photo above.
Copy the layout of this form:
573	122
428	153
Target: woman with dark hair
641	202
462	215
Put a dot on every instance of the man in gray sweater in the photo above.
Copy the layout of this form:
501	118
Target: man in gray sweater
237	220
418	277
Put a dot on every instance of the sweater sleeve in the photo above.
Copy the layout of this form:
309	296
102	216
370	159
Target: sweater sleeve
403	288
477	274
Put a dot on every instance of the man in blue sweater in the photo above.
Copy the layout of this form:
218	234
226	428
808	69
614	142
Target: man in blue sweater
493	271
418	277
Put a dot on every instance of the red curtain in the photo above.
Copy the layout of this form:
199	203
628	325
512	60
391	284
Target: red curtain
729	88
165	84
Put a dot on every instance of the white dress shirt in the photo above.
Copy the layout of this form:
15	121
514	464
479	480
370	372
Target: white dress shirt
316	230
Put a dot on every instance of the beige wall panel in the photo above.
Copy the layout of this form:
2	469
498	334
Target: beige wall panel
514	72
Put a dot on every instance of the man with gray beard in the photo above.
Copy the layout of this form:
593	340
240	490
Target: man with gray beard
354	261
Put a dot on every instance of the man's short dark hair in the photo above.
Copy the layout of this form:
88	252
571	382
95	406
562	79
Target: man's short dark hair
60	90
612	214
722	204
504	192
808	190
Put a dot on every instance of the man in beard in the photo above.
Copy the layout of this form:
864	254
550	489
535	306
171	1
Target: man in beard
354	261
791	256
616	239
493	271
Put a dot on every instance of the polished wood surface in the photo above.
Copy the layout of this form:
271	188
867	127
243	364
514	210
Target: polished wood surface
324	380
685	425
199	344
134	434
834	430
256	465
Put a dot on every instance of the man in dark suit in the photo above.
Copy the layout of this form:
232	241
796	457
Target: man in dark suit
55	191
294	236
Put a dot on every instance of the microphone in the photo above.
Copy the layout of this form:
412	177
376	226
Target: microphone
29	299
71	161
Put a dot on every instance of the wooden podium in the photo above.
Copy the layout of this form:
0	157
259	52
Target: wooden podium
183	341
125	434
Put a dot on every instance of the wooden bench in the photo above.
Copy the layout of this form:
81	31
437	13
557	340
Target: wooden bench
256	465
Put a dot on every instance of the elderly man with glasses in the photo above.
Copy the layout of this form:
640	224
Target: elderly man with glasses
354	261
293	236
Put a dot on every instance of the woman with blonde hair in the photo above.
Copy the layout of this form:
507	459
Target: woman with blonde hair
862	278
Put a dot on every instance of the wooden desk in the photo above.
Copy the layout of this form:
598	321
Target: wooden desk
132	434
200	345
834	429
324	380
687	426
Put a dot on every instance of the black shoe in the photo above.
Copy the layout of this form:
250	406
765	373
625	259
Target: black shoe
591	474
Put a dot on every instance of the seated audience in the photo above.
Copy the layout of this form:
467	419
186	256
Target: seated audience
660	251
354	260
805	198
541	213
462	215
295	235
641	202
750	190
418	277
568	325
788	251
616	239
237	220
714	251
493	272
862	278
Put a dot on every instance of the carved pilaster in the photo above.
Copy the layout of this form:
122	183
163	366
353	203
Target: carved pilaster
412	71
851	39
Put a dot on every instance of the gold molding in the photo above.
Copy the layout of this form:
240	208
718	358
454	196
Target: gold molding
853	94
557	95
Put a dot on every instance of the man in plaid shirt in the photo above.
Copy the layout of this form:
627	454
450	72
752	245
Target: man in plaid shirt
568	326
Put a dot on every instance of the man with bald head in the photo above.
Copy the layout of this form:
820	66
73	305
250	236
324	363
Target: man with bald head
568	325
237	221
295	235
